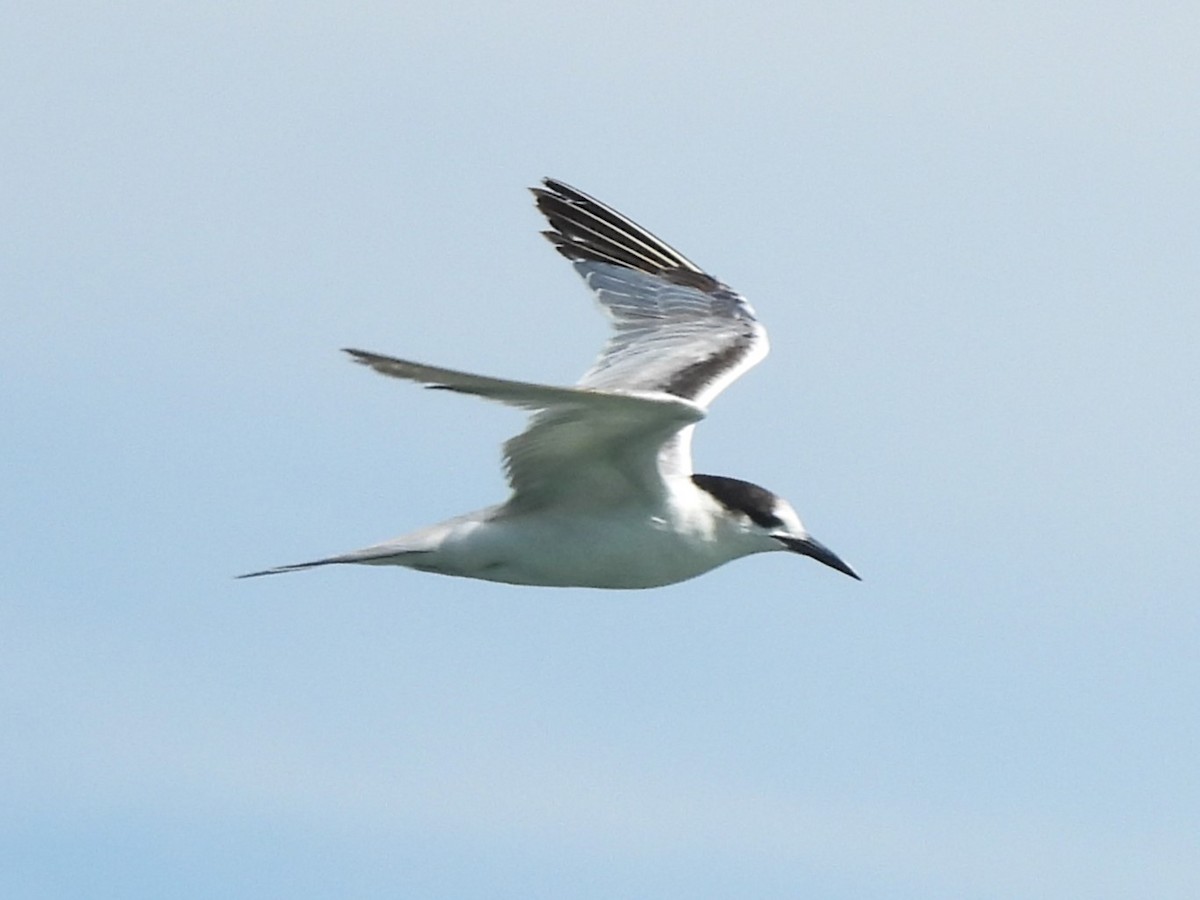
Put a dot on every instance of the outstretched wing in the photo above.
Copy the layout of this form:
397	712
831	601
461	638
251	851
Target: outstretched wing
677	330
582	444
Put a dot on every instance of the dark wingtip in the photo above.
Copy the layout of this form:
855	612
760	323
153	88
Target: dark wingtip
587	229
558	187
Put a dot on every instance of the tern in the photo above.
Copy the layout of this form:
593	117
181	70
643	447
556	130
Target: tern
603	492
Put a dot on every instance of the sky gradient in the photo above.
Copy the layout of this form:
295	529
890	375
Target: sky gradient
972	233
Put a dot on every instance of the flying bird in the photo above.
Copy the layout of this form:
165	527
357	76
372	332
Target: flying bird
603	492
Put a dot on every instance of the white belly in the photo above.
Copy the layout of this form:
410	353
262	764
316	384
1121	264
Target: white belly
616	551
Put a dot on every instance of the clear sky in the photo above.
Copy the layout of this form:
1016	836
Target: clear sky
972	230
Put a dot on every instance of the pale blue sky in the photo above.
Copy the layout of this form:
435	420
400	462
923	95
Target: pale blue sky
972	230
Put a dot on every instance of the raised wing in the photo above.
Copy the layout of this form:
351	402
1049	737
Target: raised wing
677	330
598	446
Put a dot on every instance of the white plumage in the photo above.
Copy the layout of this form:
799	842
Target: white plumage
603	493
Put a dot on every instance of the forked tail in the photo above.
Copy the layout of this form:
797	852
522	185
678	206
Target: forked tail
369	557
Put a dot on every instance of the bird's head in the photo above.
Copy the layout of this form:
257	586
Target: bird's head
770	517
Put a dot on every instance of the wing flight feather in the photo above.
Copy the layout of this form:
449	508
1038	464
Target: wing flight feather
676	328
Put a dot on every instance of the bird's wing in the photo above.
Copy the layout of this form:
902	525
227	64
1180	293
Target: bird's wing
599	447
677	330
